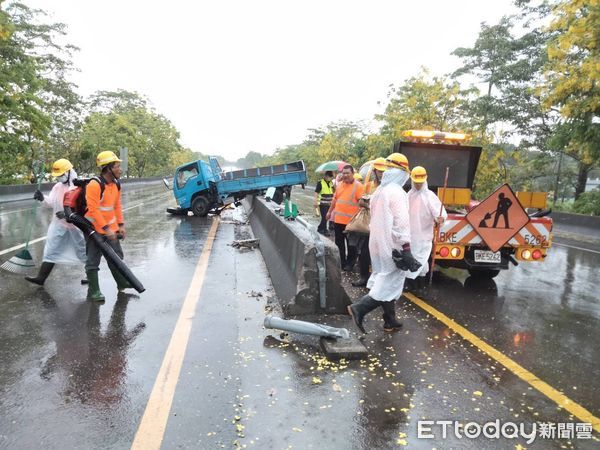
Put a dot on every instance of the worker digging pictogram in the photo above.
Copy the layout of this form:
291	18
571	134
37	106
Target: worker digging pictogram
498	218
502	208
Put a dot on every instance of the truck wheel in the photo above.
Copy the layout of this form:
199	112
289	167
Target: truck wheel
484	273
200	206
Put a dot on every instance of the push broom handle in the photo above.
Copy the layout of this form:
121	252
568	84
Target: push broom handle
33	211
437	227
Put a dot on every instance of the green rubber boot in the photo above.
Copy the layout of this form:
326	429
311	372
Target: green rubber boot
94	293
122	283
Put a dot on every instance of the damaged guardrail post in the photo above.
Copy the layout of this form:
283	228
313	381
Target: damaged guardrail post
299	326
320	254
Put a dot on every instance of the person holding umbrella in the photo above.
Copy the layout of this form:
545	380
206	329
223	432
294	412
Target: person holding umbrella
333	167
323	197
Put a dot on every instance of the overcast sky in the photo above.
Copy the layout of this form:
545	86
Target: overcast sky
237	75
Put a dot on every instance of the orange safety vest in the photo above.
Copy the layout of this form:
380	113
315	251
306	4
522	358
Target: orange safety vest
346	201
105	211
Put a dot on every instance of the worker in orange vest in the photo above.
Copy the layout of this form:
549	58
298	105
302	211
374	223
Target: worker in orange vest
343	207
103	198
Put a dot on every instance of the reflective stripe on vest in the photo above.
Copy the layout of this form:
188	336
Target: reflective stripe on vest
326	194
106	208
110	222
346	205
350	202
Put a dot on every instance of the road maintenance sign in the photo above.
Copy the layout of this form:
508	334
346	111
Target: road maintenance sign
498	218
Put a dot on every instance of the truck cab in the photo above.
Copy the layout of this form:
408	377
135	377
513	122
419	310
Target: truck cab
191	180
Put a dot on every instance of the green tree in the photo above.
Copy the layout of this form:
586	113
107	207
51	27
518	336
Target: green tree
424	102
488	60
509	57
151	138
36	98
572	84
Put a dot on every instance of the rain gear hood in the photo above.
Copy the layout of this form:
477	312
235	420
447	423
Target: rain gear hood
390	229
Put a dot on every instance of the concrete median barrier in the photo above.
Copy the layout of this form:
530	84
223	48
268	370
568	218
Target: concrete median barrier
290	253
18	192
579	220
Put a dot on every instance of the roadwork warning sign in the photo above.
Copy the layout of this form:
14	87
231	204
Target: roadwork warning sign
498	218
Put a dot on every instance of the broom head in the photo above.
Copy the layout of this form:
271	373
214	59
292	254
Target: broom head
21	263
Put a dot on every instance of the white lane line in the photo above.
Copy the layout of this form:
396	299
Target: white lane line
577	248
134	206
17	247
6	213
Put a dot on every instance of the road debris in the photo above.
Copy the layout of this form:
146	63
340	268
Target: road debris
246	243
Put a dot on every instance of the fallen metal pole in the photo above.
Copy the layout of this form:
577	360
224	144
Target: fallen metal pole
299	326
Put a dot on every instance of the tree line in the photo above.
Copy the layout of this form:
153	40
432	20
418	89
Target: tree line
532	78
43	118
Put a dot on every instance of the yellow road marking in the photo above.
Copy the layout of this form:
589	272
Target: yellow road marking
154	421
559	398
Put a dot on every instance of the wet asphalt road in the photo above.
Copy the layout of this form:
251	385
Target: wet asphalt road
78	375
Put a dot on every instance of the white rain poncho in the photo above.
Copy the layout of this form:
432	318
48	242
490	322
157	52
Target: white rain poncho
424	207
65	243
390	229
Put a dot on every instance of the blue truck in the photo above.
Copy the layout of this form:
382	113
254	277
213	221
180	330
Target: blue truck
202	187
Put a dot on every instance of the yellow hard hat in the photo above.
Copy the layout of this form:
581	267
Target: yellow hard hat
398	161
358	176
418	174
61	166
105	158
380	164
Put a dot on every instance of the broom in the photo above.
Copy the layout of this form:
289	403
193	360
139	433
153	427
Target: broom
437	228
22	262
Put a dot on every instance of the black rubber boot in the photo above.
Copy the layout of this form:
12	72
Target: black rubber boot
45	270
361	308
362	282
390	324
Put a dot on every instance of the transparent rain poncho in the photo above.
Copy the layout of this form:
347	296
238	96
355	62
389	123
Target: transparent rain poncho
424	207
390	229
65	243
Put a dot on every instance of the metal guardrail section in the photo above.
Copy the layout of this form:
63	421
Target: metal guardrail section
320	254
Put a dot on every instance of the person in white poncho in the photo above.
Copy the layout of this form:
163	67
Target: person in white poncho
424	208
65	243
390	230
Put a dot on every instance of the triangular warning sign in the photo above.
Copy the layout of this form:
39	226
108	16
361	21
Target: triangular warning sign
498	218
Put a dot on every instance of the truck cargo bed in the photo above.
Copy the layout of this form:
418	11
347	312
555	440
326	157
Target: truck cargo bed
296	166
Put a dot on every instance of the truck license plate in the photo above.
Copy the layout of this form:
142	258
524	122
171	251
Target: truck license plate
486	256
